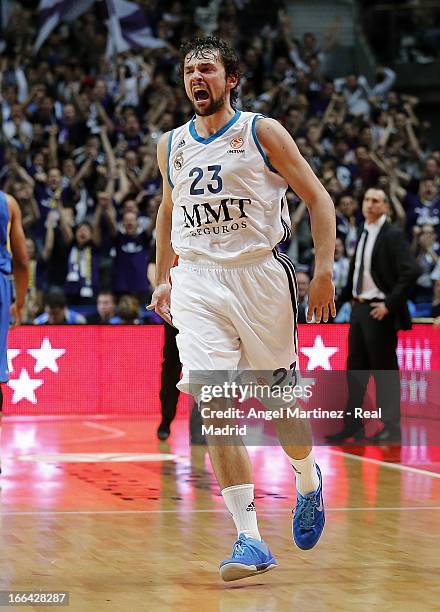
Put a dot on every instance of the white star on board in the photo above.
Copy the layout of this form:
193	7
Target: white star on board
24	387
319	354
46	356
12	354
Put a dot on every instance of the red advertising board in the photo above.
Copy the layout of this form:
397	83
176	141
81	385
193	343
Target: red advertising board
108	369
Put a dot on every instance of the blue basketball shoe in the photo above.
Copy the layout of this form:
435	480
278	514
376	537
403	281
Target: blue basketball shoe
308	517
250	557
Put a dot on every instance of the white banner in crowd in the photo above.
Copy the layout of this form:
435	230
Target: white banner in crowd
127	24
128	28
53	12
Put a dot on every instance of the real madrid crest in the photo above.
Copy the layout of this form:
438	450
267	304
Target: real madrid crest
178	161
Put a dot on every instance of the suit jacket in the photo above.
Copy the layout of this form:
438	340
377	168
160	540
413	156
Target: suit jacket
393	269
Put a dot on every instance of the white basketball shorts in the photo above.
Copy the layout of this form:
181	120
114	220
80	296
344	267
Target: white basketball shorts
234	316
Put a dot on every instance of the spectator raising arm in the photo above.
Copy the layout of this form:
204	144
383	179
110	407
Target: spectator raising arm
109	154
413	140
124	185
21	80
386	78
296	217
409	108
396	204
49	240
105	210
65	224
84	171
22	174
28	206
53	145
148	169
107	122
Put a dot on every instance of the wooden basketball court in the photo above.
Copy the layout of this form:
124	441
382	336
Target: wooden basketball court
99	508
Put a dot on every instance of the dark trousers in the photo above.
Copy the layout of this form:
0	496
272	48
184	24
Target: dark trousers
372	350
171	368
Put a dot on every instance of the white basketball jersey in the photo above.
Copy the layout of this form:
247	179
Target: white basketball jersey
229	203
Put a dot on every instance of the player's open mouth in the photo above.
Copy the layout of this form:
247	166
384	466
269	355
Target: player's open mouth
200	95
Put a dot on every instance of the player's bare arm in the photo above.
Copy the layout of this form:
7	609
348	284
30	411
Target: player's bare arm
284	156
165	256
20	260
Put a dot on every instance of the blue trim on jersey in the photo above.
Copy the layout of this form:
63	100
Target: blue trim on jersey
170	140
257	142
221	131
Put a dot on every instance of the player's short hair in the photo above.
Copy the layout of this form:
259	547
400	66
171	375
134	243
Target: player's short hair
228	57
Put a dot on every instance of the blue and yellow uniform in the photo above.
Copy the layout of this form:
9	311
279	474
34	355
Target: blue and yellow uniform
5	285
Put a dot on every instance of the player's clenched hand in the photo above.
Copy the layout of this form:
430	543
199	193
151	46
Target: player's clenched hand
321	299
160	301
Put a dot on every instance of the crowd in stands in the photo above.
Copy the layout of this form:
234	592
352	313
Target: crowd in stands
78	150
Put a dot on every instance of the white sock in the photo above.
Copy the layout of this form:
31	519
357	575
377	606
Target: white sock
239	500
307	479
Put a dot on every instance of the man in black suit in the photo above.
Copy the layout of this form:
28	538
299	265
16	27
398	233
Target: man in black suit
381	275
169	393
171	369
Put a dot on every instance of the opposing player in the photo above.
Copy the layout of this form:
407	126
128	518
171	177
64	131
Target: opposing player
233	296
13	258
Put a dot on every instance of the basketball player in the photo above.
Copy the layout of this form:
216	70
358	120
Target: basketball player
13	258
233	297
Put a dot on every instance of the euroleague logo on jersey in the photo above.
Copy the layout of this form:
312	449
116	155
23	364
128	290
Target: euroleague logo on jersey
236	146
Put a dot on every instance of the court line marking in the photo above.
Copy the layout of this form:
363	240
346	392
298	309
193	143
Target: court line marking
392	466
114	432
95	457
205	511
